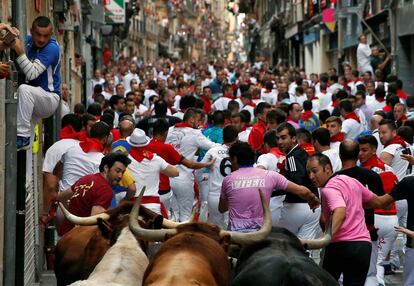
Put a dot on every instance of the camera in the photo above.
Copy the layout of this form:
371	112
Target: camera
7	37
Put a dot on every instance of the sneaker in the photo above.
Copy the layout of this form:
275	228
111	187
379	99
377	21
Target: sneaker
22	143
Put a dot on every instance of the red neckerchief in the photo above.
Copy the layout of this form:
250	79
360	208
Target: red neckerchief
314	97
306	115
397	140
335	103
308	147
353	116
91	145
276	151
291	119
140	153
402	119
251	103
98	117
374	161
323	91
68	132
401	94
380	99
387	108
228	96
267	90
338	137
244	128
183	124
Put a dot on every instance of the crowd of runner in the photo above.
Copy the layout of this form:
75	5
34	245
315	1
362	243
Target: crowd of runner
211	131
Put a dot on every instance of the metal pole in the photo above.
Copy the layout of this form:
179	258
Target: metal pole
10	180
18	186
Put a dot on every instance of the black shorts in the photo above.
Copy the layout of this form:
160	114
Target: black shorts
350	258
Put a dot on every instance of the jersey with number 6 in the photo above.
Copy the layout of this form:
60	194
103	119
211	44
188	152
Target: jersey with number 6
220	169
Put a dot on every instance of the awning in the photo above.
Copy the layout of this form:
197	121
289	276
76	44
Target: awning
311	35
378	18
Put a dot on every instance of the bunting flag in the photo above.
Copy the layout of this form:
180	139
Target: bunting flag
328	17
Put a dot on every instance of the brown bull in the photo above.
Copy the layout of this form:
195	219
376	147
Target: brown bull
194	253
81	249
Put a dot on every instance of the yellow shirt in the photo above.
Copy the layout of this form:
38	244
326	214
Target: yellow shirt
127	179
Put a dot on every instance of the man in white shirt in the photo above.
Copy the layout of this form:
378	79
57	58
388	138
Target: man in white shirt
65	108
145	168
299	96
375	120
220	169
247	103
187	139
132	74
271	161
269	93
150	91
71	125
334	85
363	55
222	103
351	125
334	125
321	142
97	79
241	122
394	147
84	158
310	95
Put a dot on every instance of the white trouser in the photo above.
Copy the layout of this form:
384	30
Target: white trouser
183	191
372	270
409	267
402	209
202	182
300	220
386	239
214	216
275	206
166	200
34	103
155	207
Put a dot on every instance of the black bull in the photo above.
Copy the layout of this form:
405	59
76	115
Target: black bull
279	260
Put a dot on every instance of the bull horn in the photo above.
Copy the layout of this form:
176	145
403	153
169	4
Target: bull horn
90	220
146	234
166	223
253	237
312	244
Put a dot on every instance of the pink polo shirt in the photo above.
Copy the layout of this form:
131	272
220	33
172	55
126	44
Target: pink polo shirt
240	189
344	191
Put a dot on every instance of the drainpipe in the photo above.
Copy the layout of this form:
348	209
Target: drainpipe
19	186
392	7
10	179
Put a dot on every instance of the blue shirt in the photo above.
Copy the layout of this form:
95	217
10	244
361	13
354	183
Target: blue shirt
215	134
311	124
49	56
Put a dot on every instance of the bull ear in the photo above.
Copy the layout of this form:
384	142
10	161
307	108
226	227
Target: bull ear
105	228
225	242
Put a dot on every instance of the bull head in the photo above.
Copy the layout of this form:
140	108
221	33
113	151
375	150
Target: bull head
312	244
236	237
